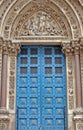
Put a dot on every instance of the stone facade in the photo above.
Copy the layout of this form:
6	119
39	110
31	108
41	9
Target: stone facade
45	22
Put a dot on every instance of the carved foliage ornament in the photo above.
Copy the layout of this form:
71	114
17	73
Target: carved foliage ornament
67	49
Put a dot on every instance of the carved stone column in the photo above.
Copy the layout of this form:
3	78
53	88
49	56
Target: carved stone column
4	74
76	46
68	51
4	114
81	61
78	111
1	42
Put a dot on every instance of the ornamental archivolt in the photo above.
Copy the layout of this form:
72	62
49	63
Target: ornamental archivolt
41	24
34	16
62	5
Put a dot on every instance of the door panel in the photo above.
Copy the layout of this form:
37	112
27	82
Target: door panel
41	88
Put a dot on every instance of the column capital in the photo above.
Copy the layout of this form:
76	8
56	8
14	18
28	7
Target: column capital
1	42
67	48
81	43
14	48
10	48
76	46
5	46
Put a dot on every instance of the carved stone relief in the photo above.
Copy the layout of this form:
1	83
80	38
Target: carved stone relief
41	24
68	50
63	5
77	5
70	14
12	82
70	83
55	25
3	7
14	49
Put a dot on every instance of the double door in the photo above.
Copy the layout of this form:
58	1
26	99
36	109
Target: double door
41	89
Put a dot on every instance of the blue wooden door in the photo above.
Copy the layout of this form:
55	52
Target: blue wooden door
41	89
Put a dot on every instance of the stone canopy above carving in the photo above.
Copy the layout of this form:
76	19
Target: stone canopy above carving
41	24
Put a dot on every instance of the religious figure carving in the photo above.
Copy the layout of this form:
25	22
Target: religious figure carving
41	24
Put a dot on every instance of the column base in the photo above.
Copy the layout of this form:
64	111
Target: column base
78	118
4	119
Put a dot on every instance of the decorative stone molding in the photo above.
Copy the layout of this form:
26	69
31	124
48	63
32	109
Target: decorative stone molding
5	113
81	62
78	118
63	6
81	42
12	75
68	51
5	46
78	114
40	39
10	48
17	6
76	46
33	29
70	80
67	48
4	119
14	50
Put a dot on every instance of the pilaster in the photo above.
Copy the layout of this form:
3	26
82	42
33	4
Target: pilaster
13	52
68	51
